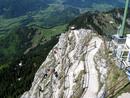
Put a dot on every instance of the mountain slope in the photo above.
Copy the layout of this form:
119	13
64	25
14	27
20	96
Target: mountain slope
70	58
21	53
35	56
43	10
105	23
89	3
47	13
15	8
77	62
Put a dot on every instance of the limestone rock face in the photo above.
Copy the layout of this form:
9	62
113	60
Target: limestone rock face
69	70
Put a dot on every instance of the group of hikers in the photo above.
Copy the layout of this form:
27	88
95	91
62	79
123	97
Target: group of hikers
50	71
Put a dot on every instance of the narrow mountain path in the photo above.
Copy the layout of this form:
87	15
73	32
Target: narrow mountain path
93	85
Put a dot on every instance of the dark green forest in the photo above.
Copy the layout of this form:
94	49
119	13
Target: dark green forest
17	79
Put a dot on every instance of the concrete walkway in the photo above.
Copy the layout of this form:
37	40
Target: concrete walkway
93	85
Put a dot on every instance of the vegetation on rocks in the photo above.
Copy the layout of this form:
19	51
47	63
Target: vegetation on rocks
104	23
117	81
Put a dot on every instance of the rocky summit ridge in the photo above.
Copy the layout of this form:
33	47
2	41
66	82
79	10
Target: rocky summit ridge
74	68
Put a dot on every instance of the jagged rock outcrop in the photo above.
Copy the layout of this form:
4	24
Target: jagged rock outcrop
71	69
